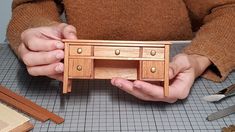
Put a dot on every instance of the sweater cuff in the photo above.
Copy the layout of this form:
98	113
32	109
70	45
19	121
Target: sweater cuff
219	69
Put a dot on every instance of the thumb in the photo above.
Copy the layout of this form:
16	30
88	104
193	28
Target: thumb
174	69
69	32
179	64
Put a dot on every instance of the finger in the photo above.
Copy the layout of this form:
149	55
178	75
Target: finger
57	77
51	32
22	50
69	32
156	92
46	70
39	44
57	31
147	88
127	86
44	38
42	58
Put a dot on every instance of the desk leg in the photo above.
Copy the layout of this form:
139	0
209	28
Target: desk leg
65	85
166	70
69	86
66	82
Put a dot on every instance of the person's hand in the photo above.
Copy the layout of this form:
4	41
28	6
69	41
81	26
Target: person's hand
184	69
42	50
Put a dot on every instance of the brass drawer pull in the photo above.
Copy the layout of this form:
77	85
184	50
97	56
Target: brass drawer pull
153	52
117	52
79	67
153	70
79	50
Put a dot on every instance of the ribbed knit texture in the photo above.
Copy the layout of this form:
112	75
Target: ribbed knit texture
216	38
27	14
129	19
140	20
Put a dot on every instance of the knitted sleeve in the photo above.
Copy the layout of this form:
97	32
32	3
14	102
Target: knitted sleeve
28	14
216	37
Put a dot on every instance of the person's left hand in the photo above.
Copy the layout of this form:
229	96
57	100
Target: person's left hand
184	69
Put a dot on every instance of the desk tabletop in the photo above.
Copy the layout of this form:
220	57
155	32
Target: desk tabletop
96	105
117	42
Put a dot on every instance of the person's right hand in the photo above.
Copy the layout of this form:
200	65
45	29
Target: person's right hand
42	50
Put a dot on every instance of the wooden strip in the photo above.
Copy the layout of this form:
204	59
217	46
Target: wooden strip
166	70
118	44
69	86
66	82
145	43
117	41
128	42
55	118
140	68
22	107
23	128
111	58
69	83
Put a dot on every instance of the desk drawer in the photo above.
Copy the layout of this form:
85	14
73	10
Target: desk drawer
157	53
82	68
103	51
80	50
152	70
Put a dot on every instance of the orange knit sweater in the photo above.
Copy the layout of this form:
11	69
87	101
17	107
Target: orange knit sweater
213	21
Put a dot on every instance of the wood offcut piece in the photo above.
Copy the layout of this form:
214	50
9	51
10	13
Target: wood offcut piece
104	59
23	128
230	128
12	121
22	107
28	106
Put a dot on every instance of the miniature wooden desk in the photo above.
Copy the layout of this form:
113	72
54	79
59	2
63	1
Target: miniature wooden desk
104	59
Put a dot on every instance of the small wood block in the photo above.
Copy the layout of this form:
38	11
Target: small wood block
23	128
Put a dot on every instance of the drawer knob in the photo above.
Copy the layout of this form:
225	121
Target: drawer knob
79	67
79	50
117	52
153	69
153	53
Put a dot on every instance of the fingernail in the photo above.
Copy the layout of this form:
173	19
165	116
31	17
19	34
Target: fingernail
118	85
59	56
59	45
112	81
72	35
59	68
